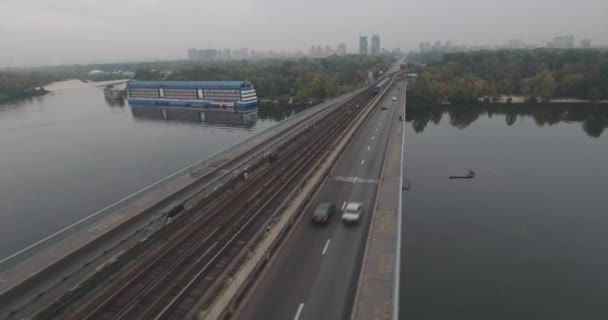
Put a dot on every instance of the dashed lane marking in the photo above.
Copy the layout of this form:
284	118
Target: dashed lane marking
355	180
326	246
299	312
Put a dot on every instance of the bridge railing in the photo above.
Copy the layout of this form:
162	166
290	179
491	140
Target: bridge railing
191	170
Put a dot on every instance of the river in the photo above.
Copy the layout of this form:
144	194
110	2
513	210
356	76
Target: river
526	237
70	153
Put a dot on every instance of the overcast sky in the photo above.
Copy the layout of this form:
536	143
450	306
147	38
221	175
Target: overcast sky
35	32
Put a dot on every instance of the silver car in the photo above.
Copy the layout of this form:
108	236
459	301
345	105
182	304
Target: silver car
352	212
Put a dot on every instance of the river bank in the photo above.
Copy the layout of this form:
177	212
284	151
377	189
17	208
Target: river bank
524	99
79	84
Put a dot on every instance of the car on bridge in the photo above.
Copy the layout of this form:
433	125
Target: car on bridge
323	212
352	213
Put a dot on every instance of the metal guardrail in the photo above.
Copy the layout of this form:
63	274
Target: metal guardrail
214	310
190	170
395	311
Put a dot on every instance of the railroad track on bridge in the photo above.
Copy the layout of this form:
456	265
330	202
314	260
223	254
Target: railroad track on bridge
165	276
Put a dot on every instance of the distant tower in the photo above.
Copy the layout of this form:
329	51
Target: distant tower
192	54
362	44
375	44
586	43
342	49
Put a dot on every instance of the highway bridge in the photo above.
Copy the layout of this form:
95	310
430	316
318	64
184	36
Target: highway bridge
229	238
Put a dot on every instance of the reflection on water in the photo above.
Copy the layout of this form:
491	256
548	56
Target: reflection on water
115	102
197	117
194	116
594	119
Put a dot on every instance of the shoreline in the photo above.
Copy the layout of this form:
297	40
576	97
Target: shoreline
519	99
79	84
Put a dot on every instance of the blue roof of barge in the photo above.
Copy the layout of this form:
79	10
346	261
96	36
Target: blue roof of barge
188	84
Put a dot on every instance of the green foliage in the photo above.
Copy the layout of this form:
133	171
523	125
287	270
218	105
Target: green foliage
466	90
594	94
542	85
19	85
304	79
425	90
543	73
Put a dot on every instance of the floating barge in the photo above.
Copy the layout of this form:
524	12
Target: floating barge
219	95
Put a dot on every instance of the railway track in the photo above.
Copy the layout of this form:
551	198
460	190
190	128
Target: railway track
181	263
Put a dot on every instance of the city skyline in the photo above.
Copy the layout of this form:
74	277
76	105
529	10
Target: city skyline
46	32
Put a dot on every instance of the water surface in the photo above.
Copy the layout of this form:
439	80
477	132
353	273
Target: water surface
527	237
71	153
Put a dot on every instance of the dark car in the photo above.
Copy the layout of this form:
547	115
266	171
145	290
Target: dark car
323	212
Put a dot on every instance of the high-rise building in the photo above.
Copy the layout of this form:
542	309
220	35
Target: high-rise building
437	46
313	51
424	46
362	44
516	44
192	54
562	42
328	51
375	44
341	49
586	43
241	54
226	54
208	54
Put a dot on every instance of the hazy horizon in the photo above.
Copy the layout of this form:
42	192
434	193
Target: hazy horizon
42	32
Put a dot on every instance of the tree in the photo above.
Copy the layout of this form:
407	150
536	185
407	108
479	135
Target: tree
425	91
546	86
466	90
594	94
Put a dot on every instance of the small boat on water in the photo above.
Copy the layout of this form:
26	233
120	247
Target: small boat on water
112	93
470	175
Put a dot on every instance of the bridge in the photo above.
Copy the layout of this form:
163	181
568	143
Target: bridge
229	237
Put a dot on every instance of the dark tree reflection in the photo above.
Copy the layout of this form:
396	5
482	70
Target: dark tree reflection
593	118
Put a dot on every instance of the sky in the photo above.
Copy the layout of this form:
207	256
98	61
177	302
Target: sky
47	32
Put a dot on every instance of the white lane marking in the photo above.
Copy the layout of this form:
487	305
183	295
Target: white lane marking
326	246
299	312
362	162
343	205
373	137
368	148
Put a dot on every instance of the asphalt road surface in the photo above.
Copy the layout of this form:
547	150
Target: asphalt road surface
314	275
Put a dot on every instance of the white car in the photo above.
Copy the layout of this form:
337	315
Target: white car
352	212
394	98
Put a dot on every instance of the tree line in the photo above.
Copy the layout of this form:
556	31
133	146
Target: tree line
593	118
540	74
305	80
20	85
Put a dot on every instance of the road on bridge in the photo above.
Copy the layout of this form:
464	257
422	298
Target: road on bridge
314	275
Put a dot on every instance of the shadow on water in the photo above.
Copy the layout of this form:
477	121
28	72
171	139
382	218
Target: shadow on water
593	118
198	117
194	117
115	103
